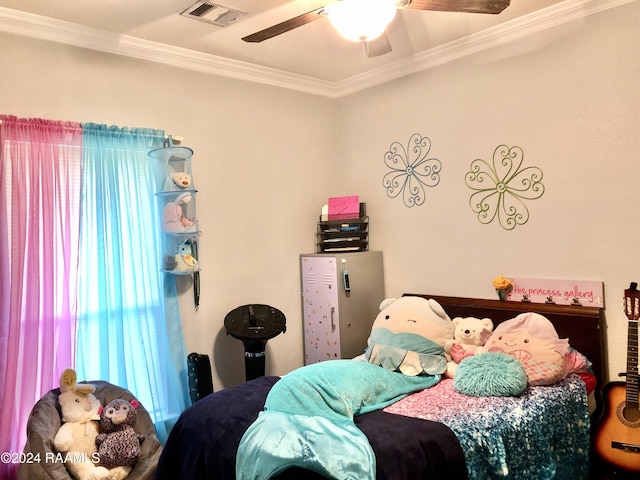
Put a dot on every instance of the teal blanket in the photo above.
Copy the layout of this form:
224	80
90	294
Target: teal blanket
308	420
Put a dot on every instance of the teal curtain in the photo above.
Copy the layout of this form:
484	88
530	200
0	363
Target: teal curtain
128	324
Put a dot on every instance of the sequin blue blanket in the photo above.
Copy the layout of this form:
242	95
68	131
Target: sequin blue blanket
541	434
308	420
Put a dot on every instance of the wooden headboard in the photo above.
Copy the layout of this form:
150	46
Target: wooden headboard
583	326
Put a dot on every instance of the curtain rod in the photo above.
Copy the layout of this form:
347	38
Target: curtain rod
177	139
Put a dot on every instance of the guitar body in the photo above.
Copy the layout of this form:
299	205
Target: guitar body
617	440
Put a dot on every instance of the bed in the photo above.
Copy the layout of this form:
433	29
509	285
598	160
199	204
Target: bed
435	432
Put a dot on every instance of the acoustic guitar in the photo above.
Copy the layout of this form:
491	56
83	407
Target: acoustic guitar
617	440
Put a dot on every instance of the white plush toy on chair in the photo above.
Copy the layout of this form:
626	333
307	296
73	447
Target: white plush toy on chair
76	438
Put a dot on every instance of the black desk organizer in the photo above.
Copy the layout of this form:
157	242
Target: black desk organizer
338	234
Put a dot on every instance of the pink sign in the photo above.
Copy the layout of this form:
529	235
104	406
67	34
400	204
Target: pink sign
562	292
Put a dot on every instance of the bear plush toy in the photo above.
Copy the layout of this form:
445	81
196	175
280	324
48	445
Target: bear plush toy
181	179
409	335
118	443
469	336
75	439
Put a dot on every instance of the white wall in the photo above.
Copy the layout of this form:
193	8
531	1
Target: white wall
267	158
570	99
263	164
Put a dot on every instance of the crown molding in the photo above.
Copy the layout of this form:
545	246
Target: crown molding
507	32
44	28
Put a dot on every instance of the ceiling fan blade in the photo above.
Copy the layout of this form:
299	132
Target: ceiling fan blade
378	46
285	26
468	6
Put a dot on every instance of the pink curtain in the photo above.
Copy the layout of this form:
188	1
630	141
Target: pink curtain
40	181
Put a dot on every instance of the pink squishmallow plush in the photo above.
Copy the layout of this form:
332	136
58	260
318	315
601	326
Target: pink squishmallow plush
533	340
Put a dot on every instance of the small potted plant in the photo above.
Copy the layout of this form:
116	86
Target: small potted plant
503	287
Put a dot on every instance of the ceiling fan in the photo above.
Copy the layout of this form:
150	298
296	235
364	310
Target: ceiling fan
379	44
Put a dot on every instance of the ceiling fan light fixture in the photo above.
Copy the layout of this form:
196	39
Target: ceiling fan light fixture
361	20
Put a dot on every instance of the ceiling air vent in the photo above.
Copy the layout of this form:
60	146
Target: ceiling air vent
215	13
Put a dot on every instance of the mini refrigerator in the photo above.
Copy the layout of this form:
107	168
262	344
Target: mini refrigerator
341	296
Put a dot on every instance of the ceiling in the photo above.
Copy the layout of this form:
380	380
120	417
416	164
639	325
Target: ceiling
313	54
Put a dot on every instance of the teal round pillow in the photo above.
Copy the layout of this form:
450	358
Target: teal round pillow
490	374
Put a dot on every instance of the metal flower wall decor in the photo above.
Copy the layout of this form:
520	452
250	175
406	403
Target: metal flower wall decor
411	170
501	188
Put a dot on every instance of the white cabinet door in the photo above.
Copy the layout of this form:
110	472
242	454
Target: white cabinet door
320	309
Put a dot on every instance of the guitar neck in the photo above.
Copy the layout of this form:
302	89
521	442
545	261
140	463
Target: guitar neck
632	363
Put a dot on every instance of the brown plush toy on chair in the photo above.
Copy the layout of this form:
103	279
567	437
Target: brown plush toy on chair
118	443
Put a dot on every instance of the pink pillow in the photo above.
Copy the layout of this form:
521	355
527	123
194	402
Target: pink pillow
533	340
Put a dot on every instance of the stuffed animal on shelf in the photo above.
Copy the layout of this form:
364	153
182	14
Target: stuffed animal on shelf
118	443
173	218
76	438
409	335
182	262
181	179
469	336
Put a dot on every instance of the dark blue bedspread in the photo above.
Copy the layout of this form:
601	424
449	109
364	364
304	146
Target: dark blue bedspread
203	443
